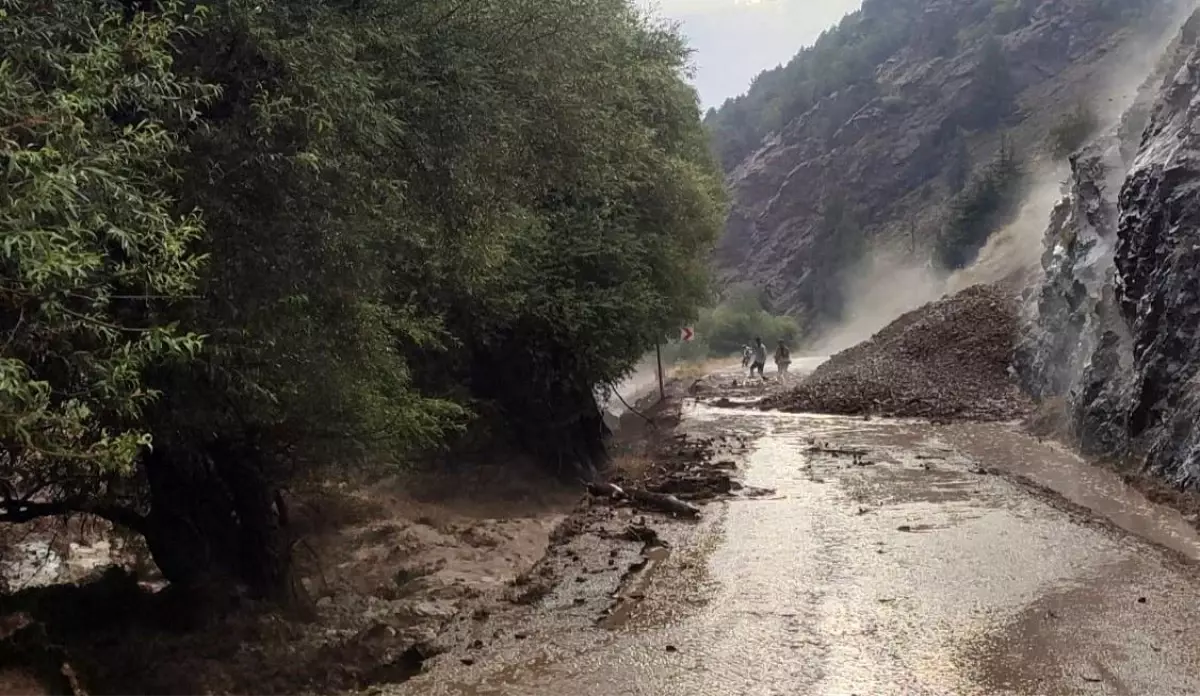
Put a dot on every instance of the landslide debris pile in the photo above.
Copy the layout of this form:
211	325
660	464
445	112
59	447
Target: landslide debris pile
948	359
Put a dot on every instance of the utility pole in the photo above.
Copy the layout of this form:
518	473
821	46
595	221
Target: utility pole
662	392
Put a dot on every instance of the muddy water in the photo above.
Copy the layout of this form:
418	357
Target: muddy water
906	570
35	562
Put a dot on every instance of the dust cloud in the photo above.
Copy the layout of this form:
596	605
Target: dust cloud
1012	254
882	286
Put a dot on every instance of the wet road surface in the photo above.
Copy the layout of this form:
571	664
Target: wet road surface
907	569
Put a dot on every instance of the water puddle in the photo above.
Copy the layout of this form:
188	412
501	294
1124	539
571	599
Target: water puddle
635	587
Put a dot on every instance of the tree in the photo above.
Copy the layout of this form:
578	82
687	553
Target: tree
605	220
958	169
988	201
741	316
1072	131
416	221
94	249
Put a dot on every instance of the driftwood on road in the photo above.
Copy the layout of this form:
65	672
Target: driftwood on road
645	499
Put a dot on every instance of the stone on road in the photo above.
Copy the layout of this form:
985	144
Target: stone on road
907	570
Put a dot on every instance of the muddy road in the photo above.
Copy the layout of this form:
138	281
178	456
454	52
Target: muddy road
892	557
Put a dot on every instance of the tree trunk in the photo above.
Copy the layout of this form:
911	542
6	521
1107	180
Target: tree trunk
559	423
213	526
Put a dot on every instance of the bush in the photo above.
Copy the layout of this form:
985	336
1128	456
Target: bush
1072	131
735	322
988	201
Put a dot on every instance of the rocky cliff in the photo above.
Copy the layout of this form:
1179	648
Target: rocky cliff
876	162
1112	329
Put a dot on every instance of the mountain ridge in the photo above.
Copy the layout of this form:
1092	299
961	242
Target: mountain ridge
935	89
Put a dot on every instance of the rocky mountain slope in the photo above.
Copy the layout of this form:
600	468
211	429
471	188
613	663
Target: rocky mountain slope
915	97
1112	329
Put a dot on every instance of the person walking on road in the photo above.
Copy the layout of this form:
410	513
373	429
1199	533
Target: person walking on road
745	357
783	358
760	358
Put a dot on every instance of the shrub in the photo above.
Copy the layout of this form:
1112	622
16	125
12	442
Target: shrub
987	202
1072	131
735	322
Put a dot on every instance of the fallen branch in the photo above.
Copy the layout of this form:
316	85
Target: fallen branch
836	451
20	511
645	499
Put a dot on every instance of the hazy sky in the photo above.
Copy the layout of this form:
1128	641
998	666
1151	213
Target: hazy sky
737	39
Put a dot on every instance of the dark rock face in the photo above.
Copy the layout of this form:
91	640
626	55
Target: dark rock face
1157	260
1114	326
1077	263
870	164
1134	121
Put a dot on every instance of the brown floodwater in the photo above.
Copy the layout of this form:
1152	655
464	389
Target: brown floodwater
907	570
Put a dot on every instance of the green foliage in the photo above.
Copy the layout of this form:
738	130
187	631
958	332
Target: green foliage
411	213
735	322
595	218
300	173
458	211
988	201
93	249
1072	131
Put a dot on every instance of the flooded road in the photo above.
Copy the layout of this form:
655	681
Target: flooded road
892	559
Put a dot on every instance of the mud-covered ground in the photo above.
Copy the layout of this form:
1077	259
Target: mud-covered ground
385	565
831	555
876	556
398	570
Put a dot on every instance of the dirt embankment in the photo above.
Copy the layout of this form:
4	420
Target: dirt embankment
948	359
606	557
660	478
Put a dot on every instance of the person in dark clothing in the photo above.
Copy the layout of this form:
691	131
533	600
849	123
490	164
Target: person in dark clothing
783	359
760	358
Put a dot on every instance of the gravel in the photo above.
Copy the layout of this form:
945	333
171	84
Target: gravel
947	360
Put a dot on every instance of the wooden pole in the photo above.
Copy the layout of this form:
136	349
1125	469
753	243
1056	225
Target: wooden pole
662	392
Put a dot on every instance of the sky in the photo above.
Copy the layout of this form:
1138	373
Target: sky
735	40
